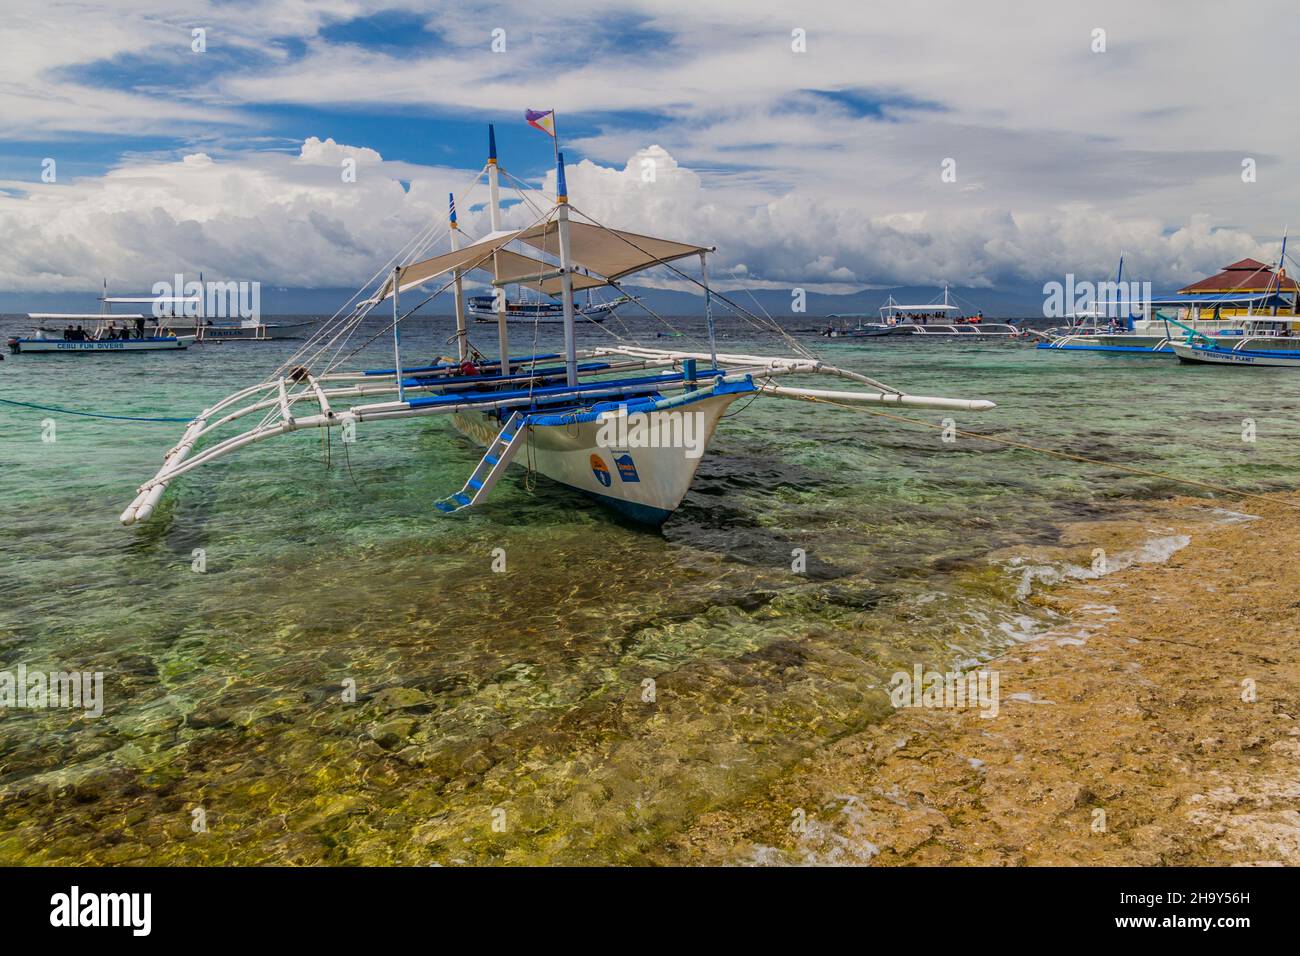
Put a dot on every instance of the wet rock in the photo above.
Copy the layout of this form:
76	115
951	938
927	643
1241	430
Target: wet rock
209	717
402	698
392	733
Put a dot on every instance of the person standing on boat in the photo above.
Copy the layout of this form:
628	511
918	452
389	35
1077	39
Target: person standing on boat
139	327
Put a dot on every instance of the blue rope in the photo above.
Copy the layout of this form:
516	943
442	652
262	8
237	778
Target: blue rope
68	411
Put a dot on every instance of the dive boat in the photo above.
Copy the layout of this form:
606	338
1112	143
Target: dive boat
63	333
484	309
624	424
935	319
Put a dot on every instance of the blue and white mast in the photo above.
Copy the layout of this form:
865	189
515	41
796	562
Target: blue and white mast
566	277
462	352
397	336
494	215
708	311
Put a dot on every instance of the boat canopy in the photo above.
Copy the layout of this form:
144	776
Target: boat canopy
145	299
1220	298
922	308
609	253
80	316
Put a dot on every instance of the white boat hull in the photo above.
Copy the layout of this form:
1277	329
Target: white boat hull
58	346
646	484
1209	355
546	320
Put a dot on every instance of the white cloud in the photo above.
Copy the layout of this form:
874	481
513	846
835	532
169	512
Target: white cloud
1064	156
290	220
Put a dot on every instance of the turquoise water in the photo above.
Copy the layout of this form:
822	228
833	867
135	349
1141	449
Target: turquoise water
501	717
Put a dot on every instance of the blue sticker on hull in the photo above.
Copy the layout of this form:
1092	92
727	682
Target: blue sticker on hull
626	468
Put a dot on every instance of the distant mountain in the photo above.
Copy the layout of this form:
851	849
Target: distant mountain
1023	301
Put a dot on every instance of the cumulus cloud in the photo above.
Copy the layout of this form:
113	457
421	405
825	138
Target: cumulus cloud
294	220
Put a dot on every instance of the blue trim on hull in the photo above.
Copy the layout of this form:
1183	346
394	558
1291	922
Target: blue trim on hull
1130	349
641	514
649	383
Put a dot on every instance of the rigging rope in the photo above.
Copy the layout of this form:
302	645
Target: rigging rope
741	312
70	411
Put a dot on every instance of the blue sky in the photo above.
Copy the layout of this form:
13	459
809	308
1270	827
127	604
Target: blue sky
816	166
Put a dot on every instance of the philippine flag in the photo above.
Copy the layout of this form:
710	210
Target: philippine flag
545	121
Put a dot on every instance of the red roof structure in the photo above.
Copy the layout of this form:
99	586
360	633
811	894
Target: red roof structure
1248	275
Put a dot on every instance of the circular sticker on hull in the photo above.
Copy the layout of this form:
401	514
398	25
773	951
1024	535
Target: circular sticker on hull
600	470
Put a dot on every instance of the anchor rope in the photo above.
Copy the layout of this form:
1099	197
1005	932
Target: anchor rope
1068	456
71	411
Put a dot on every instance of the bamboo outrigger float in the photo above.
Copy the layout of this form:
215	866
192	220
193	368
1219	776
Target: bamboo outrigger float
625	424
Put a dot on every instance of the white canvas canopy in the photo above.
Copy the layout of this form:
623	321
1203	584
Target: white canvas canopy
144	299
80	316
608	253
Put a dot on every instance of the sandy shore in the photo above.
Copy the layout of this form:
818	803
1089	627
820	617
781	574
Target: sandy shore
1129	737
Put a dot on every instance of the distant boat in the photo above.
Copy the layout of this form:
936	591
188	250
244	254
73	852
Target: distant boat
1264	342
193	321
936	319
1208	354
484	309
67	337
1246	306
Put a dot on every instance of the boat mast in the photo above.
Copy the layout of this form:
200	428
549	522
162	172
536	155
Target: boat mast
1119	288
494	212
458	290
566	277
397	336
708	311
1281	268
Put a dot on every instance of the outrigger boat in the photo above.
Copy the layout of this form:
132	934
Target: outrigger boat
484	309
189	315
1245	307
936	319
579	417
1205	353
1283	353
